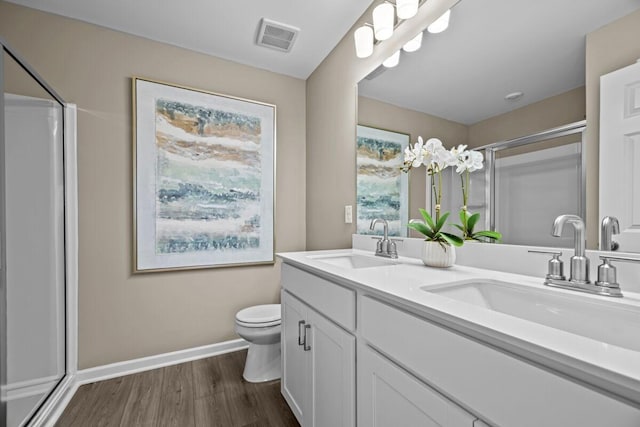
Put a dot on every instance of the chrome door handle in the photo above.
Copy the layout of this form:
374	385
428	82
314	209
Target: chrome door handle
306	347
300	342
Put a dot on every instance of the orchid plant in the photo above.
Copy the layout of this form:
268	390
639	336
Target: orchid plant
436	158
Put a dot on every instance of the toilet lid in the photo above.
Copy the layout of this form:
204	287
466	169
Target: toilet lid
267	313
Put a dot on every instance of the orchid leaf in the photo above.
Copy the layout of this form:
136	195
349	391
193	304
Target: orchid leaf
471	222
489	234
463	217
452	239
427	218
441	221
421	228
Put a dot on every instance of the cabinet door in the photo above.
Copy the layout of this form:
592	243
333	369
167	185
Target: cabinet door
390	397
332	374
294	383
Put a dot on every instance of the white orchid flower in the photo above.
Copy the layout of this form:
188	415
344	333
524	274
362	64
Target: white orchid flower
409	157
459	150
418	153
433	144
438	155
475	160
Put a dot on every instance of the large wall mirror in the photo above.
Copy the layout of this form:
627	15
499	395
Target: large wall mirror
508	77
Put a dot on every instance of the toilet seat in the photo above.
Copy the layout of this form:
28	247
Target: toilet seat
259	316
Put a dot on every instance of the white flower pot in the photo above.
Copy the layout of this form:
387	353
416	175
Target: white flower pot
435	254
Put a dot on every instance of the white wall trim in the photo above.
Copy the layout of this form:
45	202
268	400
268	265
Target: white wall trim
71	238
61	396
128	367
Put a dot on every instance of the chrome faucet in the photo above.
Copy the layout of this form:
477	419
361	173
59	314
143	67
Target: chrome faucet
608	228
385	247
579	269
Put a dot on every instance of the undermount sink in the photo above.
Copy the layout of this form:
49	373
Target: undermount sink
353	261
605	321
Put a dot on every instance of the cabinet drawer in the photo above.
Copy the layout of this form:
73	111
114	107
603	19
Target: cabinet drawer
390	397
502	389
334	301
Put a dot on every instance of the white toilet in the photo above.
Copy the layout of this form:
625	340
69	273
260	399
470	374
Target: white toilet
260	326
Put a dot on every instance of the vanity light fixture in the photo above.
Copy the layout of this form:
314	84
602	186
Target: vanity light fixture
406	9
383	20
364	41
413	44
440	24
384	23
393	60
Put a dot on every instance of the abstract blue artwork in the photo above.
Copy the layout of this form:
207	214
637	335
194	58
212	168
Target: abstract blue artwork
382	189
204	179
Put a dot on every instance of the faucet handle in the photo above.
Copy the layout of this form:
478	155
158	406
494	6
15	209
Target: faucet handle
607	273
555	266
392	249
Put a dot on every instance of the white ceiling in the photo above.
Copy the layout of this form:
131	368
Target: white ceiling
492	48
226	29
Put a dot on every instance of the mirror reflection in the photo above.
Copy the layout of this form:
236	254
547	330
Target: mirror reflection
505	70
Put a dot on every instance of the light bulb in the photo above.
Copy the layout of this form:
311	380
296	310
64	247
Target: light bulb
440	24
383	17
393	60
406	8
413	44
364	41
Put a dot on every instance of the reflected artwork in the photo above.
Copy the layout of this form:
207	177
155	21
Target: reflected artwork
382	190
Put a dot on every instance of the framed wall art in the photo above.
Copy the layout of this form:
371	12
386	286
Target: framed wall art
382	188
203	178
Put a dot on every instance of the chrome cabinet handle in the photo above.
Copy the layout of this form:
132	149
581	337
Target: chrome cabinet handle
300	342
306	347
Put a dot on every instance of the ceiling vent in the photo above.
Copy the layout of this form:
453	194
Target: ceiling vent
276	35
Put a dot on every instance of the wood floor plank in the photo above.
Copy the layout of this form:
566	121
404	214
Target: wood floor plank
109	407
212	411
273	407
142	406
207	377
241	401
210	392
79	408
176	397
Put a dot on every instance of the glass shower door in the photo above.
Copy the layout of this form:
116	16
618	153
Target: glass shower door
533	185
32	215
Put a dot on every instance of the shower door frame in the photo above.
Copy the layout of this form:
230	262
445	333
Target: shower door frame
52	407
490	170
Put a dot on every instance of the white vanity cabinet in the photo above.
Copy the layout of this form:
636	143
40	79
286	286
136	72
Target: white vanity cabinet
500	388
416	367
318	356
390	397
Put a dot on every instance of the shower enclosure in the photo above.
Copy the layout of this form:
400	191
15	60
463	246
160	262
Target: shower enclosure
524	185
37	229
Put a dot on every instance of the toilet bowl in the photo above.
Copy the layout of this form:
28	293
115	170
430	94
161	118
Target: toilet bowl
260	326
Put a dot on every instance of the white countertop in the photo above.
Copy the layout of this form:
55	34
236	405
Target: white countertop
609	367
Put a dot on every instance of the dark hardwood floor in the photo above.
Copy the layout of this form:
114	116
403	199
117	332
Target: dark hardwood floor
207	392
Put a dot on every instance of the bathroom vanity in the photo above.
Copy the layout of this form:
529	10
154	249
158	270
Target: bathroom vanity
369	341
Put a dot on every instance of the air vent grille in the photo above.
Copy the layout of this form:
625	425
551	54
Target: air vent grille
276	35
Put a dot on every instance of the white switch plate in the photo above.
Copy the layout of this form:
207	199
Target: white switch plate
348	214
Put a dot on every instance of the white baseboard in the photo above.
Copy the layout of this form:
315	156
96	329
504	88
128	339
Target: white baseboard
33	387
113	370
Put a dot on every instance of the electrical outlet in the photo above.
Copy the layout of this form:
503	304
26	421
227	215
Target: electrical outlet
348	214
